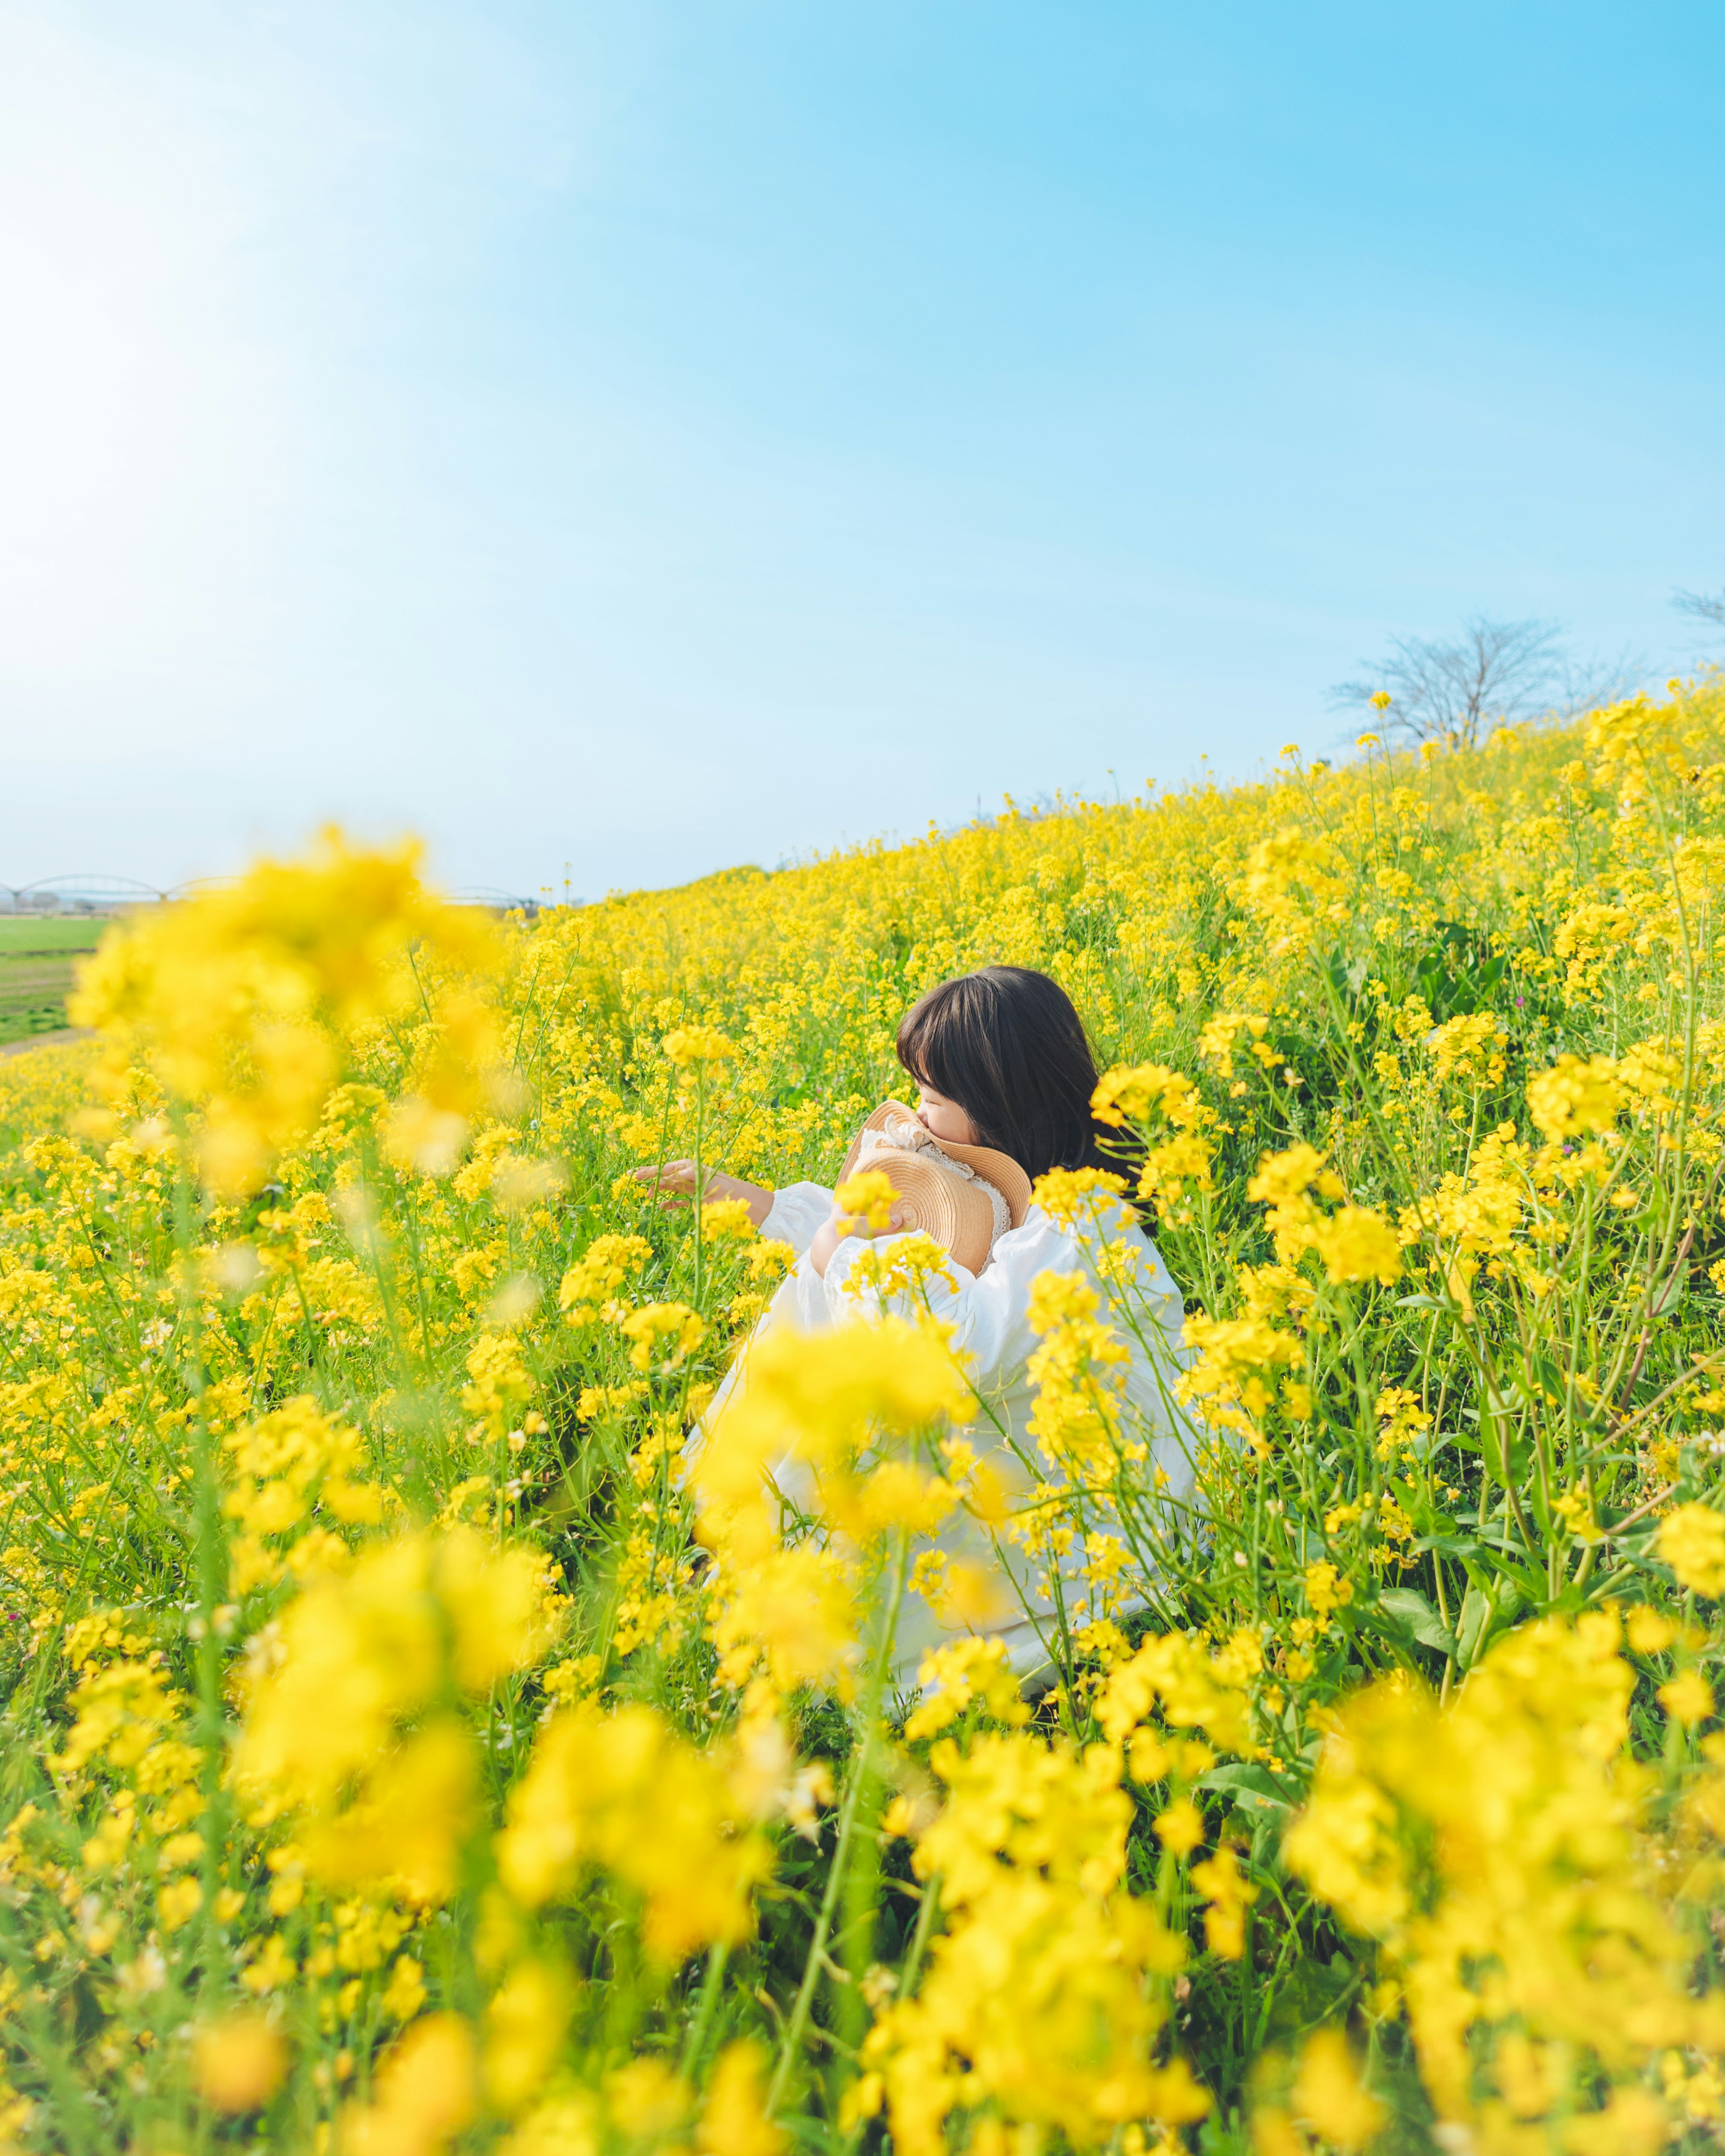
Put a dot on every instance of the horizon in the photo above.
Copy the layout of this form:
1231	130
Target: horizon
71	897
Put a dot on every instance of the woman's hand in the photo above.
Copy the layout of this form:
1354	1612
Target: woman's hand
676	1181
838	1224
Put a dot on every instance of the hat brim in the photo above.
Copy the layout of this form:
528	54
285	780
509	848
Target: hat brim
994	1167
955	1213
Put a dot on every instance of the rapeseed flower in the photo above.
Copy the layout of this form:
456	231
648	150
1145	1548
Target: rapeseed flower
1692	1541
239	2061
376	1686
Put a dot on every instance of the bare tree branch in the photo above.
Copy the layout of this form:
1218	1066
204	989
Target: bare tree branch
1705	606
1589	681
1494	671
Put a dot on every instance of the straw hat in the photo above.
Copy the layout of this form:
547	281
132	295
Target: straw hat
940	1188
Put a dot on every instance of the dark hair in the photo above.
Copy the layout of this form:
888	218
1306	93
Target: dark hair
1006	1046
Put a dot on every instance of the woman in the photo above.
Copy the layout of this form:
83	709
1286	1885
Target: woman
1000	1060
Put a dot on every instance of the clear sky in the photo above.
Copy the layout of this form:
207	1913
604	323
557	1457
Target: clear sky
649	437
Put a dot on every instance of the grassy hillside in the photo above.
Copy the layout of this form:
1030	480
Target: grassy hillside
406	1749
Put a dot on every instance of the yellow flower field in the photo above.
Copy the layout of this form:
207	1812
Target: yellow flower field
406	1749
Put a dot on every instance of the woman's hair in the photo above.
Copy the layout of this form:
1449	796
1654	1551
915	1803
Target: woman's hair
1007	1046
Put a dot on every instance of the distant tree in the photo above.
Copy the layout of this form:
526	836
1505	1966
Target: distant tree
1494	672
1708	606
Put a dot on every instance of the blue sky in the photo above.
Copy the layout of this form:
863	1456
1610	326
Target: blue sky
649	437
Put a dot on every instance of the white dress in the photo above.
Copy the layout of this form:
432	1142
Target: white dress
988	1313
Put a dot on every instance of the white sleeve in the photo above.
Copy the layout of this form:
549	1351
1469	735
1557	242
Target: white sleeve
799	1209
989	1311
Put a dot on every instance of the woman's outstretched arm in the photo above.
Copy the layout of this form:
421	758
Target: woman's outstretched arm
676	1182
792	1215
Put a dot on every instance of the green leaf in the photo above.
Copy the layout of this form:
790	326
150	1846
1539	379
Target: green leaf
1455	1546
1505	1452
1476	1608
1253	1788
1421	1619
1486	1609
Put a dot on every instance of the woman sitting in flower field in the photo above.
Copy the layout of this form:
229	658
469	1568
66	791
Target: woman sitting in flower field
1065	1401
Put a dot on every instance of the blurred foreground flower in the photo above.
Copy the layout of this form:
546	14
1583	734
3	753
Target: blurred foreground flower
247	1003
239	2061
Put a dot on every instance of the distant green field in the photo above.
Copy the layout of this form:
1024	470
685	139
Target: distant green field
25	933
36	958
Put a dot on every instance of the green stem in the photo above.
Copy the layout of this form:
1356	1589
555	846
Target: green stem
210	1560
712	1985
862	1778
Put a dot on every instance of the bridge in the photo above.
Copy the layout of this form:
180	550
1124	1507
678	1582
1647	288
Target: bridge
110	894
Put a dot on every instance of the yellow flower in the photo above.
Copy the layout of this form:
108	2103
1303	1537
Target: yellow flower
419	1135
727	1220
1180	1828
397	1422
1468	1048
1133	1093
735	2121
274	1967
360	1654
1328	2095
1079	1371
1172	1172
1035	2001
1691	1542
291	1459
177	1904
404	1995
519	1184
1490	1848
246	1001
1294	1220
1575	1095
1197	1688
821	1398
1220	1881
1633	2123
425	2093
566	2124
607	1263
622	1791
662	1334
1278	866
524	2028
1356	1244
693	1045
1688	1698
954	1676
409	1821
239	2061
792	1615
646	2099
1069	1195
1217	1036
867	1198
1234	1375
905	1267
1650	1630
1325	1590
